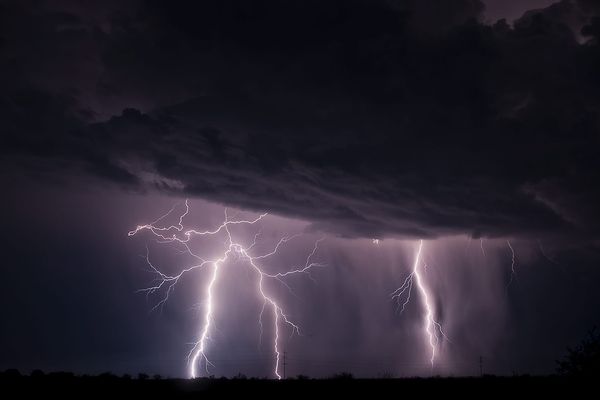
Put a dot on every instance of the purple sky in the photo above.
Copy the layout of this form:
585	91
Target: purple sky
400	121
511	10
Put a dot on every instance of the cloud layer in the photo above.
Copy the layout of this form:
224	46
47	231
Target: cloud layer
367	118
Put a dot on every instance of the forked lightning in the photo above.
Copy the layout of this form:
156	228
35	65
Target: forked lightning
432	329
232	248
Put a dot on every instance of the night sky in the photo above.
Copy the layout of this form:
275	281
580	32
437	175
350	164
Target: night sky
471	125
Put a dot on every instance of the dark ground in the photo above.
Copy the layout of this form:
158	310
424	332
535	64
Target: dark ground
485	387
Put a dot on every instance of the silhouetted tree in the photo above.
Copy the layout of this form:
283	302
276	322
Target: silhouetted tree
61	375
343	376
107	375
156	377
37	373
12	373
142	376
583	360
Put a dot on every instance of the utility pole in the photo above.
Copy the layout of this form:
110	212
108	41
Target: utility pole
480	366
284	362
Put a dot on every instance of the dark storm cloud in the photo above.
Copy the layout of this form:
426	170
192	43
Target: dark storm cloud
368	118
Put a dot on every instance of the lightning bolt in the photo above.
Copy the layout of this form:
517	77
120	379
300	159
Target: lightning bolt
513	273
232	250
432	329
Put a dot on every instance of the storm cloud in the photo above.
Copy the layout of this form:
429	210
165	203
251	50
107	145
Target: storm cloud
366	118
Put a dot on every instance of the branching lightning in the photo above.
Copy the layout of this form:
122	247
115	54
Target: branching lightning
432	328
233	249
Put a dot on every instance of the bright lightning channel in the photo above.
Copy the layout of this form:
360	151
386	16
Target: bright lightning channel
176	234
432	329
